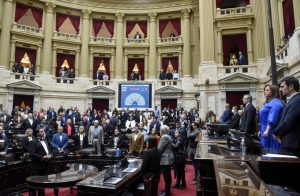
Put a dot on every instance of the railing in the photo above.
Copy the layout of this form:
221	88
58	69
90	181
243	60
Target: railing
282	54
234	11
103	40
66	36
101	82
21	76
170	40
136	41
237	69
62	80
27	29
174	83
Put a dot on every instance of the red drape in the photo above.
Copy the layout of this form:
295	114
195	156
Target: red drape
168	103
110	25
140	62
130	25
20	54
60	59
38	15
60	19
219	3
21	9
234	44
165	62
19	99
100	104
234	98
97	24
97	61
175	22
75	20
288	15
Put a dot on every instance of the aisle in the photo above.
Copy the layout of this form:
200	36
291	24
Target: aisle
190	189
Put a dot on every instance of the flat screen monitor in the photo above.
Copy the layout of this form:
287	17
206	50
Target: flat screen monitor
135	96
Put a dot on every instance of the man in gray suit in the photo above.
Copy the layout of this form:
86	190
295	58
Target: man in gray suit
96	136
165	149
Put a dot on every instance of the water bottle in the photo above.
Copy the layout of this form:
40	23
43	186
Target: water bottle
243	146
118	152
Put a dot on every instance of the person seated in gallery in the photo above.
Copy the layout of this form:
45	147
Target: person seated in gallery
169	75
175	75
3	142
81	140
242	59
233	60
71	74
137	36
162	74
60	141
105	76
172	34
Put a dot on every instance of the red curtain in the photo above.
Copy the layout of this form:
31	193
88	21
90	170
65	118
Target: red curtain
37	15
97	61
234	98
60	60
110	25
21	9
288	15
100	104
219	3
175	22
234	44
97	24
168	103
60	19
26	99
75	20
20	54
130	25
165	62
140	62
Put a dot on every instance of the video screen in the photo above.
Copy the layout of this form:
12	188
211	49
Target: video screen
135	96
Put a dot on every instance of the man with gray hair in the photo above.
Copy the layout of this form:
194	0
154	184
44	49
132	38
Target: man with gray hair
248	121
165	149
96	136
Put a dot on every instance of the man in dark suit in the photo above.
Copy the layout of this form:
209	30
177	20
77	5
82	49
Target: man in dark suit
60	141
242	59
227	114
3	142
248	122
288	129
29	123
40	153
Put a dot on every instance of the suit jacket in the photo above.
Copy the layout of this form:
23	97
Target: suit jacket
227	115
26	124
60	144
235	122
27	143
85	142
72	129
138	145
288	128
121	143
3	144
165	149
151	163
37	152
248	123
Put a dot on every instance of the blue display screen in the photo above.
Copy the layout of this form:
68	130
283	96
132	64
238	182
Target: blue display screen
135	95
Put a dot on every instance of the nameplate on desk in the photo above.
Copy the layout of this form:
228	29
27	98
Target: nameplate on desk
279	156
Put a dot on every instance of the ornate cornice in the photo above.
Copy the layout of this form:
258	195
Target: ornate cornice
152	16
86	14
120	16
186	13
50	6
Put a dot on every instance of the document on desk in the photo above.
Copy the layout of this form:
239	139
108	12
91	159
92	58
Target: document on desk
279	156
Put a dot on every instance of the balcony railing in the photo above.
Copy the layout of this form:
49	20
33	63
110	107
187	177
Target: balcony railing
66	36
103	40
174	83
136	41
246	69
21	76
234	11
170	40
27	29
282	54
62	80
102	82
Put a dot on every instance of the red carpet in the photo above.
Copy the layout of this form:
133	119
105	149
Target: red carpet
189	191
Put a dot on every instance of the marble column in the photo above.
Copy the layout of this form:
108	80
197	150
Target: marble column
146	67
85	35
185	31
125	66
91	65
276	25
38	58
48	34
180	64
281	19
5	33
112	62
159	67
119	66
77	63
296	5
54	61
250	46
220	44
152	47
12	53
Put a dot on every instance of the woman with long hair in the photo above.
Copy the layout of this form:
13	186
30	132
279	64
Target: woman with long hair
269	117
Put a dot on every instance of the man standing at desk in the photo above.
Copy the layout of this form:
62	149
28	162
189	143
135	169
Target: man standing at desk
288	129
248	122
40	153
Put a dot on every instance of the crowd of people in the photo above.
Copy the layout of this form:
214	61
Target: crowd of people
169	75
19	68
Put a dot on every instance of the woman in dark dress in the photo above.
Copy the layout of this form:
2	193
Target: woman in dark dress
80	140
179	160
